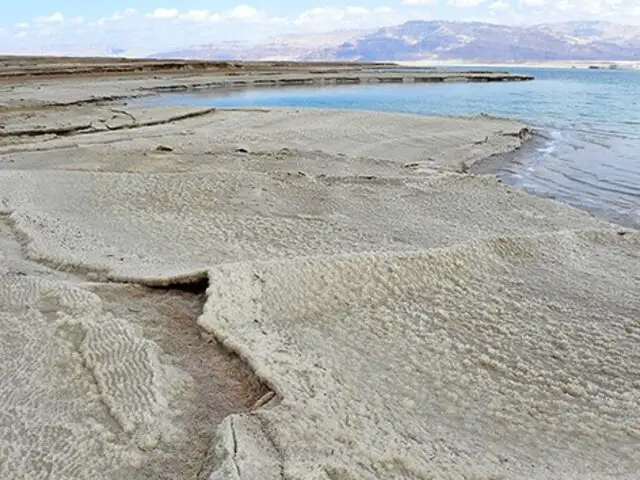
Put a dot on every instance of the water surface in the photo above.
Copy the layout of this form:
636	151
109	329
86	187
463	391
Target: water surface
590	120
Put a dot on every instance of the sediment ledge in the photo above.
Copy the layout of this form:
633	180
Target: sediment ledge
24	67
344	79
24	81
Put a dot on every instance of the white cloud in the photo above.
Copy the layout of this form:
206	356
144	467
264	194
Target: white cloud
419	3
163	13
466	3
357	10
243	12
126	13
121	15
56	17
332	18
601	7
320	14
168	28
196	15
499	5
564	5
278	20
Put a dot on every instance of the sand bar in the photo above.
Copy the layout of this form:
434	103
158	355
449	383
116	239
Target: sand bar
282	293
43	81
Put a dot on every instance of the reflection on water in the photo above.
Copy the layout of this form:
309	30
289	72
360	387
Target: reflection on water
591	119
598	171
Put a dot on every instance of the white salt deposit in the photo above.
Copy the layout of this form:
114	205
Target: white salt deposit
413	322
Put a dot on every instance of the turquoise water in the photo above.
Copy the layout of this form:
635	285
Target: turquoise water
589	120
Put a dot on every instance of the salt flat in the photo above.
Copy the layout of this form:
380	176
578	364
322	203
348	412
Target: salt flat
303	294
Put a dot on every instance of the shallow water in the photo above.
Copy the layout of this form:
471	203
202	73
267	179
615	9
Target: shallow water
589	119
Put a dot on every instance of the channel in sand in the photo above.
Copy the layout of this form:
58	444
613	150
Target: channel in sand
109	380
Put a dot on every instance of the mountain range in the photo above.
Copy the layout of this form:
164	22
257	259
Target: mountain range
440	40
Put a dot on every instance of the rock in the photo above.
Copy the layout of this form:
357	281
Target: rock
164	148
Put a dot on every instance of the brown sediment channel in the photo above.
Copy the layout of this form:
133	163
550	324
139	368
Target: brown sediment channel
210	382
222	383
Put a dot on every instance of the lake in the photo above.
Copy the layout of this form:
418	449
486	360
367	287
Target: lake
588	125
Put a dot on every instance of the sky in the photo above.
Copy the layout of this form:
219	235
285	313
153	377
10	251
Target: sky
147	26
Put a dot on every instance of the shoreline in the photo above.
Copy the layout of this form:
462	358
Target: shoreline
17	81
238	293
500	165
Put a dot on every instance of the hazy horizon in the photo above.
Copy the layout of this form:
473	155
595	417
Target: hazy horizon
75	27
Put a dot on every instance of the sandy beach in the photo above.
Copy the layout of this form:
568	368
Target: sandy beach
305	294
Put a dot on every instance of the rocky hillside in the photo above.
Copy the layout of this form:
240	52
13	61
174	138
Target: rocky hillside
442	40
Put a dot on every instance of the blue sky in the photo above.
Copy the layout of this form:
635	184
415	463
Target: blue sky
27	9
144	26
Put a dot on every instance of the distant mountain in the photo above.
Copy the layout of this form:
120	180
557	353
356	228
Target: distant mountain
292	47
441	40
